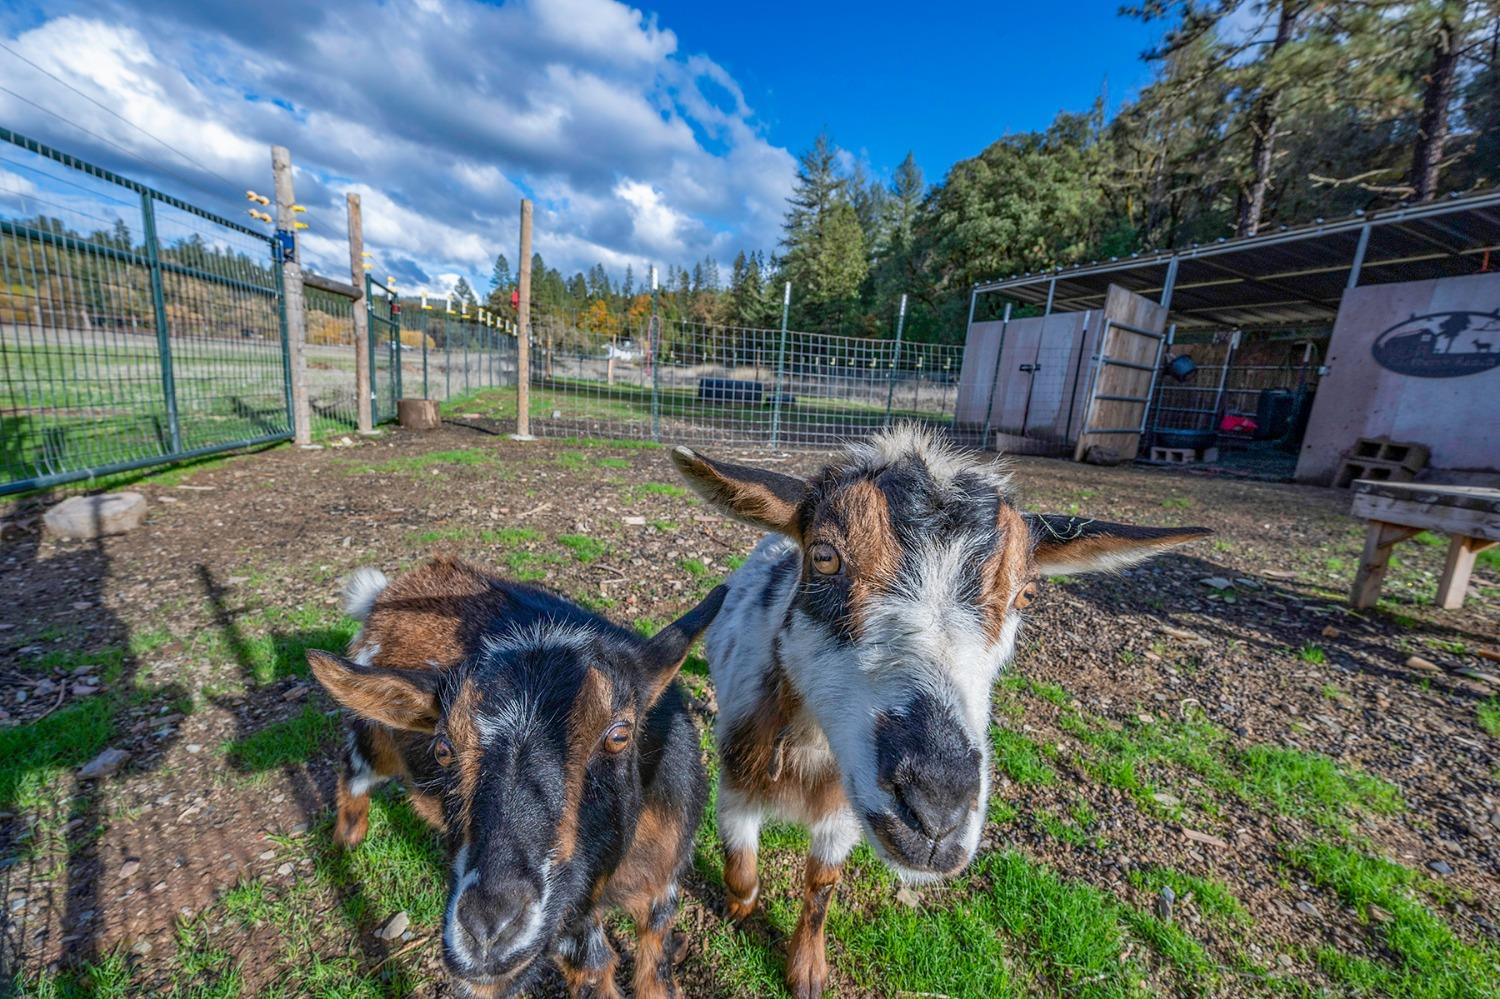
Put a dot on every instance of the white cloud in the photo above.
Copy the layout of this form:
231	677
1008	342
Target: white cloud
440	112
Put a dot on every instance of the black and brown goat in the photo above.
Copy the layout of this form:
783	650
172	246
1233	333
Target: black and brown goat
553	748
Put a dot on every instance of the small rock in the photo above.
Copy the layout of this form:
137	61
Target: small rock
394	927
1217	583
1329	631
1439	867
43	687
295	693
266	854
1480	675
194	748
1378	914
1279	574
1308	909
81	605
1417	662
104	764
128	868
285	869
1164	903
908	898
634	521
85	517
1169	800
141	947
1179	633
84	689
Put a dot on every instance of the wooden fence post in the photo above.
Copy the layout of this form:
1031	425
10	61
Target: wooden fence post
291	290
523	329
363	395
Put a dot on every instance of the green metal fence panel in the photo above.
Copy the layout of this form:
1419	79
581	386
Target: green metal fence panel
331	388
135	328
385	349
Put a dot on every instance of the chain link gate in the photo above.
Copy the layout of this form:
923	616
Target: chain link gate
385	349
135	328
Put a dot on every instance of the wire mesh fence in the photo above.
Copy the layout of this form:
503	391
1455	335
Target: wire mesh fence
692	381
134	327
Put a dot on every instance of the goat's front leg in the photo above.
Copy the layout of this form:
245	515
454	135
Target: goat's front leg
739	828
587	960
807	962
653	955
370	758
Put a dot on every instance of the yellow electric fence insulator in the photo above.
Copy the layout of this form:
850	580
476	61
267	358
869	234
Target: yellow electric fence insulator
368	266
300	225
298	208
251	196
365	253
424	302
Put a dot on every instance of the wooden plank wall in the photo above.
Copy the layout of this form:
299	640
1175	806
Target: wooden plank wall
1456	417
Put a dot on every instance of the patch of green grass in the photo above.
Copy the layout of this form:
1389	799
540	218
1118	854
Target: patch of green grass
399	866
1295	782
664	526
528	567
661	489
625	443
584	548
1429	539
442	534
1488	559
1213	899
1174	945
291	741
1430	961
735	561
1313	654
613	462
1176	503
108	978
572	459
1019	758
1332	692
694	567
1052	693
510	536
33	757
428	461
1488	713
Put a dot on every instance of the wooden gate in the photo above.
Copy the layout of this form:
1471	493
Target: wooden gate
1123	375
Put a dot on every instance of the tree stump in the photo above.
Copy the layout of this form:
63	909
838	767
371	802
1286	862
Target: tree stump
418	414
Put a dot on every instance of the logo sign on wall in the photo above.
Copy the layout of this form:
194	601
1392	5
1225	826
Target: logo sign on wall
1441	345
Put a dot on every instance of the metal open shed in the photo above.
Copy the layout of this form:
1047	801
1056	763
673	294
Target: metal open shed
1234	303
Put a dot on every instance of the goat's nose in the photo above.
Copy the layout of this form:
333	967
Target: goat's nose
939	792
492	916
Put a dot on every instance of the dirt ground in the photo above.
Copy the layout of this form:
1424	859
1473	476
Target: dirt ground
205	858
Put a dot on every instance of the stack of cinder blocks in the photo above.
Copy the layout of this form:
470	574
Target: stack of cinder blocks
1184	455
1381	459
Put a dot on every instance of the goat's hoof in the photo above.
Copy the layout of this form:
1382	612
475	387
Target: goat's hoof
349	833
739	910
806	982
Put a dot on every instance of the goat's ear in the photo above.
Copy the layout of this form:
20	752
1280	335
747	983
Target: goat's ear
760	498
1065	545
400	698
667	649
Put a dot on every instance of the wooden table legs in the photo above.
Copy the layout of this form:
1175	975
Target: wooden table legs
1380	538
1455	579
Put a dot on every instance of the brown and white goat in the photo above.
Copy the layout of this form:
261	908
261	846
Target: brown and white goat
553	748
856	653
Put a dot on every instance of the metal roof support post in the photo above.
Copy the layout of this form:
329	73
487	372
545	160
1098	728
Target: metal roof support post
1359	255
995	376
1169	284
1051	292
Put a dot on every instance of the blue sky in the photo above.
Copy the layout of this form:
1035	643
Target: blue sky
657	134
943	80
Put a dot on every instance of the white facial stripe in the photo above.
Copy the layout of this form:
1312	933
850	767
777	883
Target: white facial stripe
463	880
541	635
514	720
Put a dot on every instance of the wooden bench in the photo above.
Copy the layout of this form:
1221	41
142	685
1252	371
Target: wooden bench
1468	515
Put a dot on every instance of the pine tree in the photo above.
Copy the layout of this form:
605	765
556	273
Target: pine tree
500	279
462	293
825	251
627	288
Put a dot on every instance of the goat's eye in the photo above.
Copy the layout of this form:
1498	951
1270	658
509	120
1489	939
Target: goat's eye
1026	596
617	738
825	559
442	751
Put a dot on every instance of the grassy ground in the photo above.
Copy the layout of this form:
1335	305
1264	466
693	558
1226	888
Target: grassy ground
1238	792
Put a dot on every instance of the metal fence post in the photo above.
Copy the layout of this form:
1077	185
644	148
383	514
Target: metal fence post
423	334
786	308
296	309
163	330
655	360
890	387
989	406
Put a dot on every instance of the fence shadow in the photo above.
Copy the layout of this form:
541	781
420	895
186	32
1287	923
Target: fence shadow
67	813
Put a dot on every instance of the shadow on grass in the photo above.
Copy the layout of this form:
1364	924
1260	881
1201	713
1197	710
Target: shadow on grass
40	755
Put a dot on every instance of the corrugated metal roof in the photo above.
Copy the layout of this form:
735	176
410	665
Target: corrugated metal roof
1291	277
